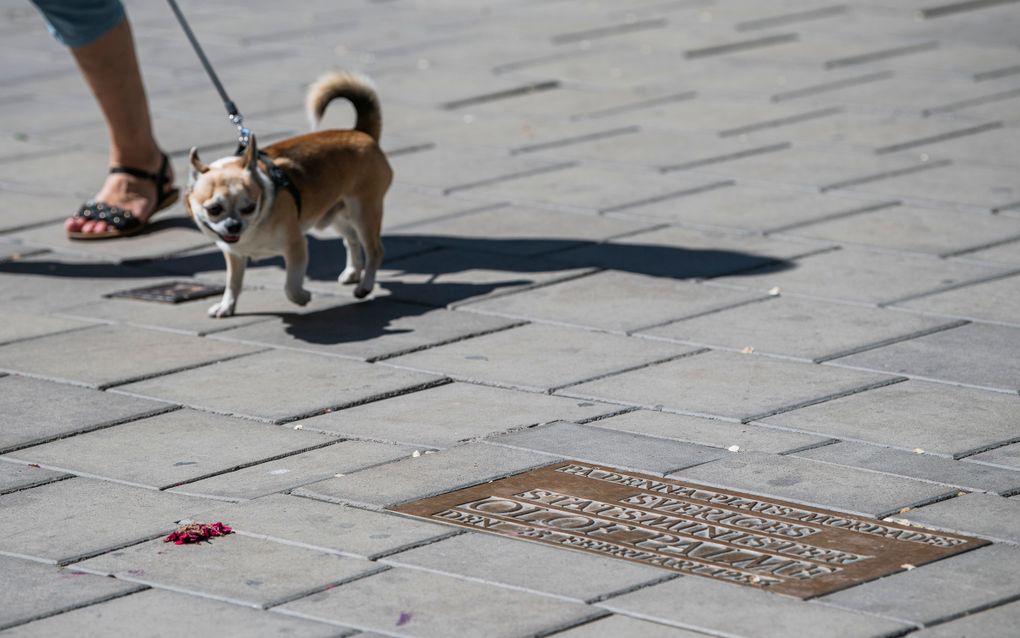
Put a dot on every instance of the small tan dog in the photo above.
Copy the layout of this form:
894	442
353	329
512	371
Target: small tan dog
262	203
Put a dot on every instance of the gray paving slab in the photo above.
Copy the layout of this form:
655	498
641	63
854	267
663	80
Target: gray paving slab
981	355
960	186
449	277
14	250
326	527
985	515
614	301
750	208
808	329
164	613
443	416
617	625
918	465
236	568
33	411
27	209
295	470
906	228
818	484
994	301
685	253
709	432
95	356
868	277
64	521
998	621
291	384
724	384
17	326
940	590
538	357
460	170
520	230
166	234
425	475
719	608
16	476
369	330
410	205
169	449
190	317
1005	456
528	566
620	449
1008	253
404	602
32	590
911	415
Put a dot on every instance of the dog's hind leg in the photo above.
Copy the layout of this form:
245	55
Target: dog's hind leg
295	258
368	224
355	253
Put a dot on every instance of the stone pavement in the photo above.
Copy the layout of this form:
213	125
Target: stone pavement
772	246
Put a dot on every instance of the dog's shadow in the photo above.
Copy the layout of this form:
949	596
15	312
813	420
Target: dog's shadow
429	271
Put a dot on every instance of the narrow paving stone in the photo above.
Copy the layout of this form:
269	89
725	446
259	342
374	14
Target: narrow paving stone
619	449
292	384
326	527
919	466
995	301
413	603
367	330
95	356
977	354
710	432
816	484
530	566
802	328
168	449
63	521
1005	456
984	515
426	475
15	326
617	625
940	590
717	608
913	414
998	621
15	476
538	357
295	470
861	276
443	416
614	301
148	610
450	276
735	386
235	568
32	590
33	411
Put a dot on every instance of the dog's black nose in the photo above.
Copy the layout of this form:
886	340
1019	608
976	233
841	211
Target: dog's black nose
232	226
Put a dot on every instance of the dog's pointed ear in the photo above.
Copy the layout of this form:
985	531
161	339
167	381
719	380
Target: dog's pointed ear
197	167
251	154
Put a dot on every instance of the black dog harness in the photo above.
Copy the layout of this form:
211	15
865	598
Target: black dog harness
280	180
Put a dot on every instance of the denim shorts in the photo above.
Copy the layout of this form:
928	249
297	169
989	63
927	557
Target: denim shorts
80	22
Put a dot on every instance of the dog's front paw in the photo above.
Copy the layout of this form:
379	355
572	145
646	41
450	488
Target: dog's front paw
362	291
349	276
300	296
224	308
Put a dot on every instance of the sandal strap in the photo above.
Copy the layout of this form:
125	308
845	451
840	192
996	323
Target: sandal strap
158	178
114	216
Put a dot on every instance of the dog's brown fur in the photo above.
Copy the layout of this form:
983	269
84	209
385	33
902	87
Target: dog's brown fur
342	176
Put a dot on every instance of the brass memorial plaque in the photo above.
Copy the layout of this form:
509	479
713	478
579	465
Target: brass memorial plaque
691	529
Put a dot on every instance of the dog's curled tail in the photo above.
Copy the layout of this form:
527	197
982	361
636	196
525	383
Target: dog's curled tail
357	89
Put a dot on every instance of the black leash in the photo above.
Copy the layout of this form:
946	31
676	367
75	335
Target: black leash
244	134
276	174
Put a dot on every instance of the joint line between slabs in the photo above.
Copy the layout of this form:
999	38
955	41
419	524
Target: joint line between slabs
790	18
633	588
186	368
782	121
614	373
427	385
831	397
884	54
579	139
831	86
949	135
636	106
22	488
311	592
446	342
956	286
547	633
875	177
892	340
833	216
93	428
498	179
63	610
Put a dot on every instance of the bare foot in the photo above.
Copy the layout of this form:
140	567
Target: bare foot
124	191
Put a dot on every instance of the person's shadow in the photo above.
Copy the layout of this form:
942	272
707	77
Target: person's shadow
432	271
